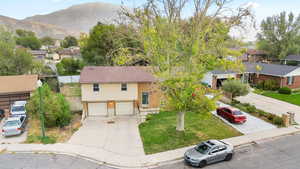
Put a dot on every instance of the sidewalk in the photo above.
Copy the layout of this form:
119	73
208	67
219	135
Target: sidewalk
147	161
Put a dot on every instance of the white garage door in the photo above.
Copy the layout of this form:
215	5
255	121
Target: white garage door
97	109
124	108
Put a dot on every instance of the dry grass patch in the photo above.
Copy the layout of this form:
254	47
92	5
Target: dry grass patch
54	134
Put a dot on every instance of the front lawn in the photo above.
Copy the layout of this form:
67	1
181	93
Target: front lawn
293	98
159	131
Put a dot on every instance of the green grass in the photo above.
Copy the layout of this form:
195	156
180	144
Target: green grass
293	98
159	131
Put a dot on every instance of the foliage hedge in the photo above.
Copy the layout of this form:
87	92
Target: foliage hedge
285	90
268	117
56	109
268	85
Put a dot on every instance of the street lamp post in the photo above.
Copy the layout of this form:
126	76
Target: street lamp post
40	84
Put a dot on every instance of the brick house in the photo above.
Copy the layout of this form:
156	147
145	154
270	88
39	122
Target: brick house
284	75
118	90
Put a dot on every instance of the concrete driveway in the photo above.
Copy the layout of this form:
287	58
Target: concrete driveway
121	137
13	139
271	105
252	125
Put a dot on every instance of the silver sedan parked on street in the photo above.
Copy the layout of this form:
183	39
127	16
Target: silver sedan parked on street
208	152
14	126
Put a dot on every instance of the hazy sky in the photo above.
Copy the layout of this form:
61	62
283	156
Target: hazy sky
23	8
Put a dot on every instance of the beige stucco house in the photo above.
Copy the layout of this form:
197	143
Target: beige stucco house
118	90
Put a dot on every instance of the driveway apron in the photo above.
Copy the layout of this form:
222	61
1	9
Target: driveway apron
121	137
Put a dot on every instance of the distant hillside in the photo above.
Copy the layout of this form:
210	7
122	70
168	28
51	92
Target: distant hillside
79	18
40	29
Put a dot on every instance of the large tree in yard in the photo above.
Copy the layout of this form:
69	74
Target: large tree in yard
181	50
280	35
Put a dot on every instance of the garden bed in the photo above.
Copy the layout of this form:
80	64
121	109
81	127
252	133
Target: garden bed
54	134
268	117
159	133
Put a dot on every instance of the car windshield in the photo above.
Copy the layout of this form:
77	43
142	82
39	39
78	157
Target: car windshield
18	108
11	123
202	148
237	113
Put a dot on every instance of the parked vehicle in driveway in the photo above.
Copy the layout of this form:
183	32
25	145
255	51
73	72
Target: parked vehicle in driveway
14	126
208	152
18	108
232	115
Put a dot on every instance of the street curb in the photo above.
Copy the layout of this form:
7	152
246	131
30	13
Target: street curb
143	166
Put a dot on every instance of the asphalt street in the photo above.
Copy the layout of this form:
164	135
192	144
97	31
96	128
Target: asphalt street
45	161
282	153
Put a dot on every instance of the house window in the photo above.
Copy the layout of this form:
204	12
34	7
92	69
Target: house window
290	80
145	98
96	87
123	87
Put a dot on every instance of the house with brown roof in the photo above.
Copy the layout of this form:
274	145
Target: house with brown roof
118	90
16	88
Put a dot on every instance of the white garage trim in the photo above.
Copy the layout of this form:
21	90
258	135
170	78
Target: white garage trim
97	109
124	108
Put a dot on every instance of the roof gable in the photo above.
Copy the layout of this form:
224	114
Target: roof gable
115	74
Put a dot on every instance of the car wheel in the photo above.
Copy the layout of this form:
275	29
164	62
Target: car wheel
228	157
202	164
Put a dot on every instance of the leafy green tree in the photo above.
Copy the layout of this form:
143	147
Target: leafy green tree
280	35
69	66
14	61
69	41
105	42
27	39
236	88
182	50
47	40
56	108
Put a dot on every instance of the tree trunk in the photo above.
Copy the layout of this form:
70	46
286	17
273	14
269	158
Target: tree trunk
180	121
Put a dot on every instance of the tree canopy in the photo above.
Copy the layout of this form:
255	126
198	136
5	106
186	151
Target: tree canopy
236	88
182	50
69	41
280	35
69	66
47	40
27	39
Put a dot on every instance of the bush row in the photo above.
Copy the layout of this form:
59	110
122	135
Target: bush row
271	118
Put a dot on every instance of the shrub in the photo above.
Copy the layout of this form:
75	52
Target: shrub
285	90
278	121
236	88
55	107
268	85
271	117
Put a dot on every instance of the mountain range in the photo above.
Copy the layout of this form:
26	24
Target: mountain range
70	21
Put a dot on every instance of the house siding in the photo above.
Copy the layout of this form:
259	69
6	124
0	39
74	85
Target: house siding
109	92
259	78
154	95
295	85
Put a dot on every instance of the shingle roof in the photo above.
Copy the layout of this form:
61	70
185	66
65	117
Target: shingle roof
115	74
293	57
14	84
267	69
270	69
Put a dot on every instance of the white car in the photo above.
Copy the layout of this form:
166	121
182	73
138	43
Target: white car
18	108
14	126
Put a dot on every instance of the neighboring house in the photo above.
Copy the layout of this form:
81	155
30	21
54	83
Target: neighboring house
285	76
292	60
39	54
54	56
71	52
114	91
253	56
14	88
